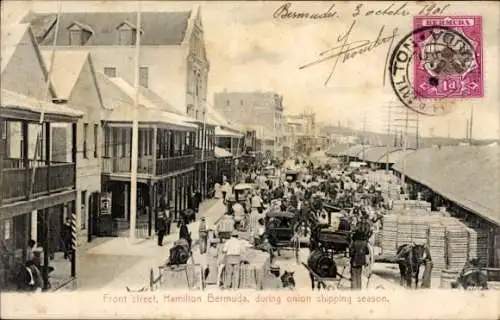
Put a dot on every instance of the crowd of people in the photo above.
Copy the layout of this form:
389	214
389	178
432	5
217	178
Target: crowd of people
316	194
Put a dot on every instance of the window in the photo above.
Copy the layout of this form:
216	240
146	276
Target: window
79	34
75	37
126	37
143	76
83	220
85	138
241	102
110	72
190	109
227	102
96	139
107	140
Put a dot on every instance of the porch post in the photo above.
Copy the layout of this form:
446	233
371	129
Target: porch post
155	149
152	205
45	274
26	161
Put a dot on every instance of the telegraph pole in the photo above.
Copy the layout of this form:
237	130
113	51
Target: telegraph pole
135	131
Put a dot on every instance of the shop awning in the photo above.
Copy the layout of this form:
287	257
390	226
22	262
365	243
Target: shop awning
222	153
219	132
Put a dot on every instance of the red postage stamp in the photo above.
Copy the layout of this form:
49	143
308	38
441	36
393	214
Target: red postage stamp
448	60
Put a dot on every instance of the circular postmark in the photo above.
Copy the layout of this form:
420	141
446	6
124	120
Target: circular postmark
422	59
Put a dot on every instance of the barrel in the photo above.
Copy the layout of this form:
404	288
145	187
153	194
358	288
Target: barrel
448	276
322	264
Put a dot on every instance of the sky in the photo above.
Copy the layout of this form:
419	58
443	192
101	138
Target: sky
249	50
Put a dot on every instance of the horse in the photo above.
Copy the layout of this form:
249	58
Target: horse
179	254
288	280
411	257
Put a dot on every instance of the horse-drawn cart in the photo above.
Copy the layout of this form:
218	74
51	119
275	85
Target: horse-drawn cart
280	229
328	247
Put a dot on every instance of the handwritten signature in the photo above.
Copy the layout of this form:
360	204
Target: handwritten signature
349	50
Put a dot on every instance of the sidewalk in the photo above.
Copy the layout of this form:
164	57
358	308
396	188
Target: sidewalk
117	263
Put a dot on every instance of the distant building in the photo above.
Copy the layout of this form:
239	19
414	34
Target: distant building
259	111
301	133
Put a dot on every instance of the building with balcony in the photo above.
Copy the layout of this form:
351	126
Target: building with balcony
229	146
37	188
74	80
259	111
173	60
166	153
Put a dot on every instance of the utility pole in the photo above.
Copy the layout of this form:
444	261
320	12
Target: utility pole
135	130
364	132
388	138
405	139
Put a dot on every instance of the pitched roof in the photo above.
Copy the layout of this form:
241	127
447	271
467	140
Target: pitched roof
159	28
376	153
475	172
397	156
11	37
67	68
159	101
15	101
149	111
215	117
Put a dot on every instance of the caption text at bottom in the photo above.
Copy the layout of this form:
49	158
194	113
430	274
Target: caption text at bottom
264	298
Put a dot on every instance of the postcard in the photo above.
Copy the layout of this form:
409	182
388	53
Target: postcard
250	159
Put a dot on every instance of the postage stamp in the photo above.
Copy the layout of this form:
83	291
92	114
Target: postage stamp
438	63
448	63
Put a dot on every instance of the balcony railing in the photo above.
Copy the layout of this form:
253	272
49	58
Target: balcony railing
145	165
207	155
168	165
17	182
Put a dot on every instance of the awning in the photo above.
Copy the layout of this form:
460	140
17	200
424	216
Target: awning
377	154
17	106
222	153
467	176
396	156
226	133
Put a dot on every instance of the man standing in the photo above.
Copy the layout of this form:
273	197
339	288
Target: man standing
168	219
67	235
232	250
161	227
358	252
203	235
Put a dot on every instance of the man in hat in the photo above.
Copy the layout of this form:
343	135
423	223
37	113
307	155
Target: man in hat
203	235
232	250
358	251
161	228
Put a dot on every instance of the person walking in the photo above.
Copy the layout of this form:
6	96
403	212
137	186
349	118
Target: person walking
203	235
161	227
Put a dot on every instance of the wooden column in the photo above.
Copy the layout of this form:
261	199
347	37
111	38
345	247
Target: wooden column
155	149
152	206
45	274
26	162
